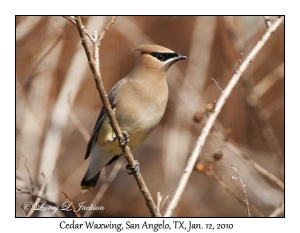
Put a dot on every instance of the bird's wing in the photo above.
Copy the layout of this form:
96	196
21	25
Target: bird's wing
93	138
112	97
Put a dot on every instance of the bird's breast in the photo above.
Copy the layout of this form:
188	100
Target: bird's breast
140	113
139	107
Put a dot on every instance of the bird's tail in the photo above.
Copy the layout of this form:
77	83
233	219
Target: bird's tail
89	184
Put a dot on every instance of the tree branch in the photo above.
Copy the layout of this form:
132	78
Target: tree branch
267	21
206	167
243	187
211	120
94	65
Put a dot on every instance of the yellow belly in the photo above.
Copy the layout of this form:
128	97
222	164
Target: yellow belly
136	137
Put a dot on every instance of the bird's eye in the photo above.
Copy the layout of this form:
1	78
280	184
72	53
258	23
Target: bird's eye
164	57
160	56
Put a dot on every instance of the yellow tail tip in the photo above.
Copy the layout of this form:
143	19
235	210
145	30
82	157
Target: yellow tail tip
84	189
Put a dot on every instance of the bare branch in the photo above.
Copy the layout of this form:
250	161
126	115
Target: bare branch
31	183
267	21
32	189
71	19
40	193
257	167
243	186
217	84
111	115
72	205
106	28
35	206
160	204
207	168
252	163
211	120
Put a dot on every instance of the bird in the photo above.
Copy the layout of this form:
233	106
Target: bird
139	101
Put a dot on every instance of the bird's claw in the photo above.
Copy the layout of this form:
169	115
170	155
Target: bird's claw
126	139
133	169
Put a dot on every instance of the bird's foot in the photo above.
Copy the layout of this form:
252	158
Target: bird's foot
124	142
133	169
126	139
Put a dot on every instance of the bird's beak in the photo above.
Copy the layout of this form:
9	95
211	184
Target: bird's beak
180	57
177	58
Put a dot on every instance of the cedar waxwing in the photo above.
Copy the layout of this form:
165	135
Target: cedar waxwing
139	101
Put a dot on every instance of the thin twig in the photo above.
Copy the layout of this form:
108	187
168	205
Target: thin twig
211	120
267	21
267	130
252	163
160	204
73	21
243	186
40	193
240	59
217	84
46	202
208	170
257	167
72	205
111	114
106	28
32	188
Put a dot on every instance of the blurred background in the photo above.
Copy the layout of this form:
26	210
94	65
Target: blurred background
57	106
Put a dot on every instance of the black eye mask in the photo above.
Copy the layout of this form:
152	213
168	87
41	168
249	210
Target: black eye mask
163	56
